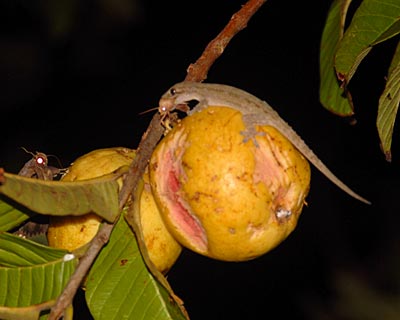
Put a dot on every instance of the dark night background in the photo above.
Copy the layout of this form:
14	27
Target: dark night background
74	76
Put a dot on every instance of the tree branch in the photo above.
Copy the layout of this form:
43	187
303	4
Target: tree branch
66	297
146	146
198	71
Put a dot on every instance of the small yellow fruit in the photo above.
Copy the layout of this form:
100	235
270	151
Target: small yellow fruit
73	232
98	163
225	198
163	249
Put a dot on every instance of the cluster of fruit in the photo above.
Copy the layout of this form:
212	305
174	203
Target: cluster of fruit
206	189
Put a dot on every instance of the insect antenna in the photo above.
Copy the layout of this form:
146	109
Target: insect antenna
27	151
148	110
57	158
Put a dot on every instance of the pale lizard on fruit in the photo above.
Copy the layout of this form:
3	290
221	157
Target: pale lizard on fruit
254	112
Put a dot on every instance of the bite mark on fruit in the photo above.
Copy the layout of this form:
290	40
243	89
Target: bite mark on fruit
271	168
181	213
267	169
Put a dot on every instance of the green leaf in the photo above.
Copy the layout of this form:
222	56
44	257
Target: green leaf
133	218
119	285
332	96
62	198
25	313
10	216
373	22
395	60
388	105
30	274
19	252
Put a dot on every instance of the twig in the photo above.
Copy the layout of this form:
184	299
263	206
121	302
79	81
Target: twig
143	154
136	170
198	70
66	297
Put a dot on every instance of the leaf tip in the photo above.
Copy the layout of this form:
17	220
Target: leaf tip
387	152
388	156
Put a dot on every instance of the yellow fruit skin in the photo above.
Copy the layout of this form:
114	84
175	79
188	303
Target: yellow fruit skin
163	249
98	163
73	232
222	197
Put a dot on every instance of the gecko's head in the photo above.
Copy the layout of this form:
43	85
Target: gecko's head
177	97
168	100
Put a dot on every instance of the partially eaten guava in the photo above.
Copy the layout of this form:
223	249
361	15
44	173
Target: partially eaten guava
222	196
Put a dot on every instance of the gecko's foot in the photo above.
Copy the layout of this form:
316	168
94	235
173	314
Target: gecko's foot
168	121
250	134
251	121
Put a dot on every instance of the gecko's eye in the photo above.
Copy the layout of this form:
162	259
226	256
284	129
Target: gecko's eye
172	91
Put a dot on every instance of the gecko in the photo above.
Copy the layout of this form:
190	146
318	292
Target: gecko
254	112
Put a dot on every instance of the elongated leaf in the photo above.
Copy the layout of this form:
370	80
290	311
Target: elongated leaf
30	274
11	217
332	96
62	198
133	218
395	60
25	313
33	312
373	22
19	252
388	105
119	285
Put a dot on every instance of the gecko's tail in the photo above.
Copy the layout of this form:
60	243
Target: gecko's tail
355	195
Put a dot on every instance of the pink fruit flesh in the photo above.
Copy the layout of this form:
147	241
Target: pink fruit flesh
269	162
180	214
271	166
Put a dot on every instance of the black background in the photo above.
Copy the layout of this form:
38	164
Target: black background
74	76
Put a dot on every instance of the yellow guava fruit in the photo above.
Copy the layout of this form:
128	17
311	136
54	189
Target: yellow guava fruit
73	232
224	197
